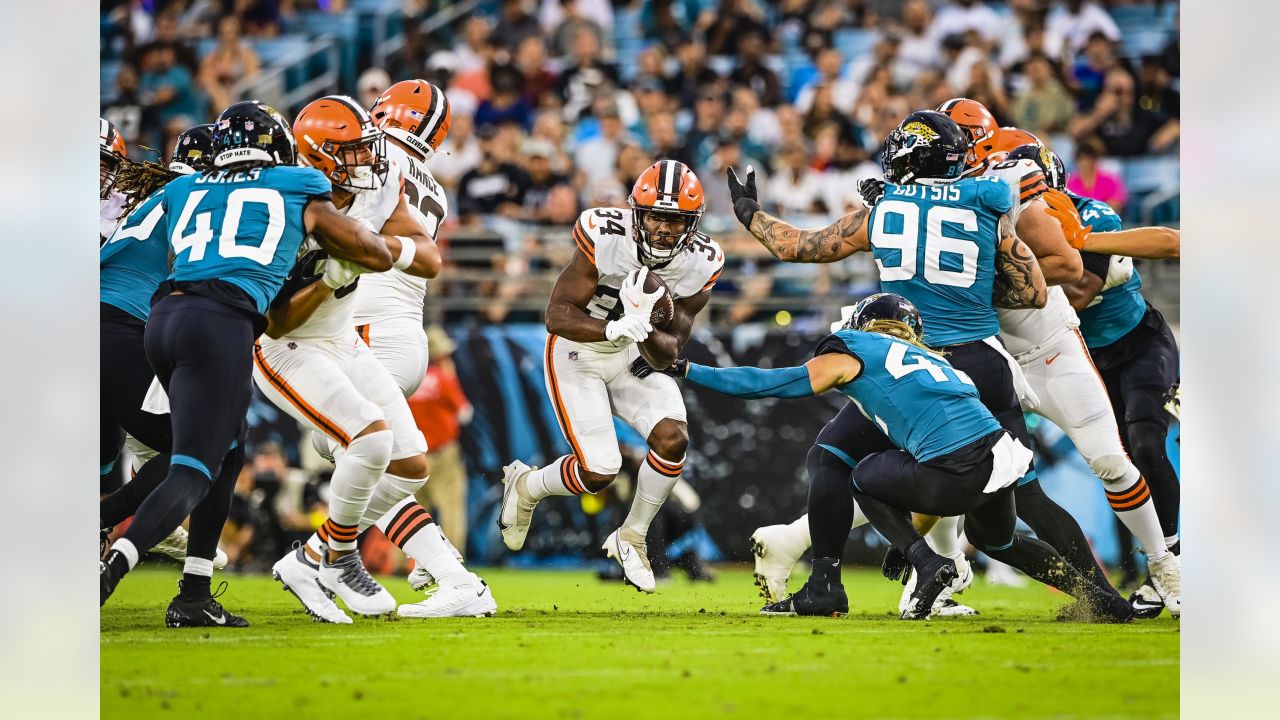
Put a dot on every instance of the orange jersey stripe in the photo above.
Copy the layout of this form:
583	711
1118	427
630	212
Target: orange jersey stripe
327	426
584	244
363	332
712	281
558	405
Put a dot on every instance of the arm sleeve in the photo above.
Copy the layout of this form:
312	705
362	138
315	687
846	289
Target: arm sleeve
752	382
1096	263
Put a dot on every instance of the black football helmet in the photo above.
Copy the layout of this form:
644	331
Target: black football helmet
926	145
885	306
252	134
1055	173
193	152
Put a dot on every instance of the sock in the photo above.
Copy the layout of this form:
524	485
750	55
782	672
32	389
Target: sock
826	571
122	503
1130	500
412	529
124	552
944	537
653	484
920	554
337	536
1148	450
351	486
561	477
1041	562
390	491
830	502
1176	546
168	505
197	573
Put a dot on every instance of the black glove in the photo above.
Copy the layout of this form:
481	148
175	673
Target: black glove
871	191
743	194
642	369
305	272
896	566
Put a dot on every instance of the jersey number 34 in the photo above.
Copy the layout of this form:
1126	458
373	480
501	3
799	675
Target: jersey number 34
909	237
196	240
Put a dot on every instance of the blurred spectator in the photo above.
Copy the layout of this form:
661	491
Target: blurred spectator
708	113
458	154
261	18
495	186
1127	125
731	24
651	100
693	75
582	81
1090	180
575	18
664	142
543	178
440	409
596	157
751	71
505	104
1171	55
167	90
958	17
918	49
727	154
794	188
762	126
237	533
844	92
1091	70
166	35
1044	106
126	108
1072	23
475	50
537	82
232	61
987	87
515	24
662	23
372	83
410	60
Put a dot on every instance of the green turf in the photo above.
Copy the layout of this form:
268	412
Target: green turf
566	645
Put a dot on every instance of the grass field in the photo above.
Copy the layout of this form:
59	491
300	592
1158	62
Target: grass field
566	645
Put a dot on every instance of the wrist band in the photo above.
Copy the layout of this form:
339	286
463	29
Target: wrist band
408	248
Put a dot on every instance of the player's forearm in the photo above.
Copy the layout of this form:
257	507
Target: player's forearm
791	244
363	247
1059	262
570	322
425	253
752	382
1019	283
1079	296
288	316
1150	243
660	349
1061	269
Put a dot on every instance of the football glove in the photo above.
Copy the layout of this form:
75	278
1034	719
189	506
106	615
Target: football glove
743	194
635	301
642	369
340	273
1064	211
896	566
871	191
631	327
305	272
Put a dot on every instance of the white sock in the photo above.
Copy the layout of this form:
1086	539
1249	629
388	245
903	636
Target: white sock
944	537
351	486
798	529
390	491
1170	540
653	484
197	566
128	550
1130	500
411	528
560	477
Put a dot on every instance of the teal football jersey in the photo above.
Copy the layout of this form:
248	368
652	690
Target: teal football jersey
924	405
242	228
135	259
1119	307
936	246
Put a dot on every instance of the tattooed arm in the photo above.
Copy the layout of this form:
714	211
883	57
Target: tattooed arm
788	243
1019	282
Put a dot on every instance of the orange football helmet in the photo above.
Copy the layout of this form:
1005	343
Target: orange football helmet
338	137
416	113
111	152
1008	138
979	126
670	197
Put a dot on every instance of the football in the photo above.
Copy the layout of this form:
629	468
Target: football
663	310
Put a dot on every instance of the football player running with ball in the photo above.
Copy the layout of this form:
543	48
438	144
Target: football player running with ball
606	338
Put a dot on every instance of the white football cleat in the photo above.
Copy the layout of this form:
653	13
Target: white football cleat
775	557
1000	574
301	578
421	579
456	596
348	579
517	508
944	606
1166	577
175	546
632	554
322	445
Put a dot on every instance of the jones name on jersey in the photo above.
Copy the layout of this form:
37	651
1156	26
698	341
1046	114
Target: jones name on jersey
606	237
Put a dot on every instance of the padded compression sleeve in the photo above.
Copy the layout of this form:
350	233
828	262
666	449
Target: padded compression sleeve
752	382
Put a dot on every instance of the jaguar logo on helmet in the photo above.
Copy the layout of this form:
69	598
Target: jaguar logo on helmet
923	133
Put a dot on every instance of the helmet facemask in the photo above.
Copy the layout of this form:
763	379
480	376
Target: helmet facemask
108	171
671	230
358	164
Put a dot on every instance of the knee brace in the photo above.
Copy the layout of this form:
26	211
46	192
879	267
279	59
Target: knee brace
371	451
1113	468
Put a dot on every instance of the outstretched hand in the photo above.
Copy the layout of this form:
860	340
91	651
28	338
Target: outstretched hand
642	369
743	194
1064	211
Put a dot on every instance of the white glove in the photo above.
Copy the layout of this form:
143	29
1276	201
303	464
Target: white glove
635	301
631	327
340	273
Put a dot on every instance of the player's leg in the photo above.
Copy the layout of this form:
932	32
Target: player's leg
201	350
581	403
309	382
654	407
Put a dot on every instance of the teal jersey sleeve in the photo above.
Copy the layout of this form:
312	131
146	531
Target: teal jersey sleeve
1098	214
996	194
1119	305
135	259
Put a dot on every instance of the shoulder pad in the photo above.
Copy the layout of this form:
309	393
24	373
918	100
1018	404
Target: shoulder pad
1023	175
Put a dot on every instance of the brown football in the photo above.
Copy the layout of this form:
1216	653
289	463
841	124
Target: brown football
663	310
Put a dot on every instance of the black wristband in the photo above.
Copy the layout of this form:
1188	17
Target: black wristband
745	208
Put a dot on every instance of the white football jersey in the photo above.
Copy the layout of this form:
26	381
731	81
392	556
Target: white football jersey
1024	330
110	212
394	293
606	237
333	319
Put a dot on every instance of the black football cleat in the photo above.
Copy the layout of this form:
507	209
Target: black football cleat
205	612
1146	602
932	579
812	600
109	575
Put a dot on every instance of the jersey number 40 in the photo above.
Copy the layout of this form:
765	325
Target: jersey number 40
910	236
196	240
